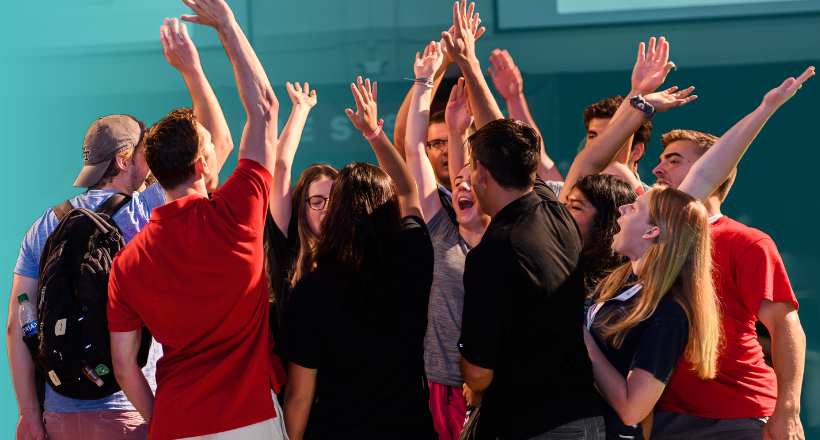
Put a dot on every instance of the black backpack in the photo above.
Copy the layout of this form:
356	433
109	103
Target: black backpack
72	348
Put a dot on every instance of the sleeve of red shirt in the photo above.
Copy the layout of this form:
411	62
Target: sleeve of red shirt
245	194
121	317
761	274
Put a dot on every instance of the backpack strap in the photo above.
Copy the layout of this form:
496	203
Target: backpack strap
113	204
62	210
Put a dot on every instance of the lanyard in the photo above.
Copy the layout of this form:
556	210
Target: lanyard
593	309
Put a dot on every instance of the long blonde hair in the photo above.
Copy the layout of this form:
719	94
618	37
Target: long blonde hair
677	265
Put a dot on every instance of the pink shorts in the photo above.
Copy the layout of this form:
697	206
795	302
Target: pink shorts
449	409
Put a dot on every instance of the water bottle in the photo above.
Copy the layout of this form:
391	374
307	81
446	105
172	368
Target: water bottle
28	316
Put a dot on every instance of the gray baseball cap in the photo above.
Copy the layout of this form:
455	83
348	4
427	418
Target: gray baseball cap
107	137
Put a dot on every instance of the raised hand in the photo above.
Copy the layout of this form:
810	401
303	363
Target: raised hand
365	118
458	115
426	65
475	23
671	97
506	78
460	45
777	97
652	66
301	96
214	13
178	48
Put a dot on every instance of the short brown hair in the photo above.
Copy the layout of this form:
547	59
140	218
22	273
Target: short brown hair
704	141
437	118
113	170
606	108
172	146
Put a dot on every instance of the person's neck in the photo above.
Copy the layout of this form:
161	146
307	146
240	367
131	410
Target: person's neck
712	205
185	190
636	265
117	185
500	198
445	185
472	232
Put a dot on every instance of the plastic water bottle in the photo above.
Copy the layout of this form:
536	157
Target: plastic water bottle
28	316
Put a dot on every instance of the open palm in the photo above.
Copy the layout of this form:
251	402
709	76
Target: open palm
779	96
652	66
458	115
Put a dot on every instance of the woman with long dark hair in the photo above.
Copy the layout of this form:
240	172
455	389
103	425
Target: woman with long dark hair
360	315
593	202
293	223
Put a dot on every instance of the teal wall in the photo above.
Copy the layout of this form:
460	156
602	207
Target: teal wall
64	64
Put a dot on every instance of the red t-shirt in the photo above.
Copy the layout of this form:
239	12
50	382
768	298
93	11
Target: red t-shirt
195	277
747	269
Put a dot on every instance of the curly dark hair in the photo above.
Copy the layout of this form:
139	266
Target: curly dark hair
361	231
606	193
606	108
510	150
172	146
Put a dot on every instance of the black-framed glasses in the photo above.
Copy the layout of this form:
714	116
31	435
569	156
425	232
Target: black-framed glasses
317	203
437	144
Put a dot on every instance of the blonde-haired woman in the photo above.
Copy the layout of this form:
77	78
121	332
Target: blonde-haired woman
662	304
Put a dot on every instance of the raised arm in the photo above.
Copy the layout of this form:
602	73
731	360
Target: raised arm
602	150
719	160
366	120
281	205
461	48
260	135
649	72
510	85
458	117
181	53
417	120
400	131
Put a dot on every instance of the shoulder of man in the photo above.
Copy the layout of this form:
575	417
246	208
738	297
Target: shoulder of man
727	230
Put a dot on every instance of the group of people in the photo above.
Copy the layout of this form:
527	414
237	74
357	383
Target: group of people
463	288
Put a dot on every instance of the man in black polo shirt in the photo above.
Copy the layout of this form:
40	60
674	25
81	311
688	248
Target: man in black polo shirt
523	354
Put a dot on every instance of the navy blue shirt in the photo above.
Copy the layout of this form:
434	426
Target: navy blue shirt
655	345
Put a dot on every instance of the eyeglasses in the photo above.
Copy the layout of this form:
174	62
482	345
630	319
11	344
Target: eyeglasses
437	144
317	203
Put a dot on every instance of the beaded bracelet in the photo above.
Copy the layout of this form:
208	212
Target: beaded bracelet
427	82
375	133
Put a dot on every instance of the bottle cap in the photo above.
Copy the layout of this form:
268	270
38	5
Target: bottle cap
23	297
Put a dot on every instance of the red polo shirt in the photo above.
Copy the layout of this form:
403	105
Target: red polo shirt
747	270
195	277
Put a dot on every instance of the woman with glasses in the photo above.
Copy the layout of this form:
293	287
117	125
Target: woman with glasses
360	316
294	217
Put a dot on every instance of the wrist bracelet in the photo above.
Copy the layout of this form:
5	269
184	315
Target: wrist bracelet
375	133
639	103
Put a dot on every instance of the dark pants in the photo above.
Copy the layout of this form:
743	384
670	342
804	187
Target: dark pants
584	429
673	426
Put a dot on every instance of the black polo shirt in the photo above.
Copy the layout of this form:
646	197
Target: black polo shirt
523	318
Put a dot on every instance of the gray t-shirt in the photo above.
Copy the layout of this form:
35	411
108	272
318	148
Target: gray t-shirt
131	218
441	356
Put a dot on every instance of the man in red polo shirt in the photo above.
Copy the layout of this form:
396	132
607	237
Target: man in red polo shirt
195	274
747	399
